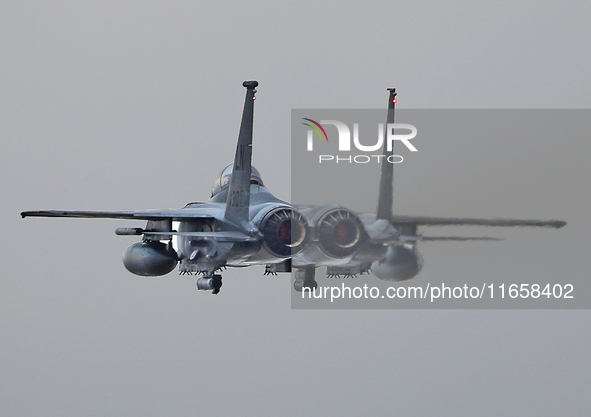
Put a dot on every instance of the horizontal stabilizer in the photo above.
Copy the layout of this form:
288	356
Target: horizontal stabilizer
453	221
446	238
225	236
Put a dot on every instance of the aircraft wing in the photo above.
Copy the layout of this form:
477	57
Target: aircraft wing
173	214
458	221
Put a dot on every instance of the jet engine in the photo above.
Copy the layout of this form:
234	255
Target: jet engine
285	232
338	235
150	259
400	264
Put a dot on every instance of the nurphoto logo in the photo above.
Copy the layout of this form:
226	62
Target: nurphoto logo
401	132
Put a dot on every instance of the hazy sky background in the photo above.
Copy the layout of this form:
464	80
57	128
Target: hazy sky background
133	105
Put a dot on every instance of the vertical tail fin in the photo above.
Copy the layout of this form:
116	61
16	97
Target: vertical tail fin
239	192
385	197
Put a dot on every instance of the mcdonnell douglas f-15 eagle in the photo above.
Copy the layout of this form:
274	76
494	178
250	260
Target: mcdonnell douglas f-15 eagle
243	224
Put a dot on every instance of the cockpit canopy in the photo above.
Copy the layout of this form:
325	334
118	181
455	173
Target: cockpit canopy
223	180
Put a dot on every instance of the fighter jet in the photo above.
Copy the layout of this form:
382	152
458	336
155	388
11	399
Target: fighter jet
243	224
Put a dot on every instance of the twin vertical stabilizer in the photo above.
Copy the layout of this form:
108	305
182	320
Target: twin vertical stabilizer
238	201
384	210
239	192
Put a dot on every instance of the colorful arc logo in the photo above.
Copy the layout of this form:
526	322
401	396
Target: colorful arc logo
315	128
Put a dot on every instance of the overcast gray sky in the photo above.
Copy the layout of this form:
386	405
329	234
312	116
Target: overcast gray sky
133	105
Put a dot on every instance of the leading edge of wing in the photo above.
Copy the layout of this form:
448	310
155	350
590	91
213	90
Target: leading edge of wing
137	215
457	221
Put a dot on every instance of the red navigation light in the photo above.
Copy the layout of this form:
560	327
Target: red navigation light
394	101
